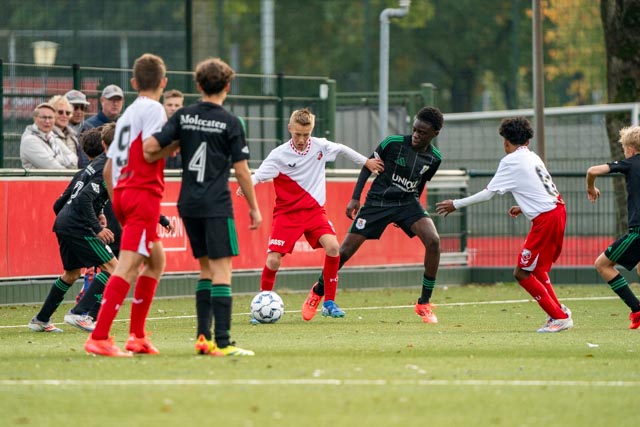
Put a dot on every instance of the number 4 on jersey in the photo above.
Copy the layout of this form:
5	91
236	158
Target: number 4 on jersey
198	161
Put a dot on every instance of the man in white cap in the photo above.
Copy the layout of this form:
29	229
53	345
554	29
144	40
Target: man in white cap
79	102
111	103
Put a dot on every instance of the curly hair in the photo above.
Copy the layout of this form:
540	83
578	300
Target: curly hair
431	115
516	130
630	137
213	75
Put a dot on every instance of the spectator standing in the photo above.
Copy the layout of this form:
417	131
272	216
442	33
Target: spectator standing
79	102
64	111
40	147
111	103
172	101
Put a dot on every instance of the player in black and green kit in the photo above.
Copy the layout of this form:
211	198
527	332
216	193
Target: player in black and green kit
625	251
211	142
394	198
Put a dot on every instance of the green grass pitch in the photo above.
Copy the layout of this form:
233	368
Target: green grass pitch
483	364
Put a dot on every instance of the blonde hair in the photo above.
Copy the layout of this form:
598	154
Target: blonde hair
60	99
303	117
630	137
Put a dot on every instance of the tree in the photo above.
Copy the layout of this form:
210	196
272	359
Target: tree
621	23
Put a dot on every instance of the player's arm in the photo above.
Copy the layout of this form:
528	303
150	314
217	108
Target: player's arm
107	175
373	163
87	214
243	175
445	207
153	151
594	171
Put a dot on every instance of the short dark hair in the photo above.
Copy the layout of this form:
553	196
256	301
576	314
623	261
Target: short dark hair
107	133
213	75
149	70
431	115
91	142
516	130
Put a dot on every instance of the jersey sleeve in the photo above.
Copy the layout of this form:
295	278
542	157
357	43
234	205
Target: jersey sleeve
154	120
619	166
504	179
268	169
237	141
170	130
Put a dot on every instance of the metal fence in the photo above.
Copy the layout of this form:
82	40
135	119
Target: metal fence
264	101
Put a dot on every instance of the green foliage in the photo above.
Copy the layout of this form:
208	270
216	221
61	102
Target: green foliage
483	364
466	48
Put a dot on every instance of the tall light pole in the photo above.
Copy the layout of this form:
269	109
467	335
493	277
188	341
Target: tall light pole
383	96
538	79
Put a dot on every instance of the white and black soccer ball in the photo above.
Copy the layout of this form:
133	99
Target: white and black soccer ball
267	307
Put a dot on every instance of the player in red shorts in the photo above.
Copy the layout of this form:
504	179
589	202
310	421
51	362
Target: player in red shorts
522	173
136	188
297	168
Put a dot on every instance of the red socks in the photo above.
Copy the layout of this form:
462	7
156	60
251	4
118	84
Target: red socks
330	276
115	292
268	279
142	298
539	292
543	277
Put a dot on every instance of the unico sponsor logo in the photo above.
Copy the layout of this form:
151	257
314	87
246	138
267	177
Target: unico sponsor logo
404	183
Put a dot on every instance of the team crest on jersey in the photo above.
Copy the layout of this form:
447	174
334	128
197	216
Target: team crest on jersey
424	169
525	257
360	223
320	155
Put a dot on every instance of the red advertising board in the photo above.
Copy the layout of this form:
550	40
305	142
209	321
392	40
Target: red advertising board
28	247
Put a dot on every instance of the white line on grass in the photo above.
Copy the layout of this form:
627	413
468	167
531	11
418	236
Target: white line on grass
386	307
318	382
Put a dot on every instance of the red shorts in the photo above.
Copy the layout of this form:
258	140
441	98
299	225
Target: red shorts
543	245
138	211
287	229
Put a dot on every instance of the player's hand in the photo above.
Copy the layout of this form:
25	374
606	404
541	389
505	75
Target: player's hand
256	218
593	194
106	236
352	208
376	166
514	211
239	192
445	207
103	220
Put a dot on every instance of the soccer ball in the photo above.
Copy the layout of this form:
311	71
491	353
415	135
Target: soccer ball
267	307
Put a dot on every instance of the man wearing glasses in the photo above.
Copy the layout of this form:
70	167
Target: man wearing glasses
40	148
79	102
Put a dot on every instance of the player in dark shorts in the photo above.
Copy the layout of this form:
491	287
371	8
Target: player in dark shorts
625	251
83	239
211	142
394	198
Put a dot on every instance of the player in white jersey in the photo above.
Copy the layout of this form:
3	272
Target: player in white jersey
522	173
297	169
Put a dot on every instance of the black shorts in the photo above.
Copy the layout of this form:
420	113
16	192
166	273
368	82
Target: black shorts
626	249
372	220
212	237
82	251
